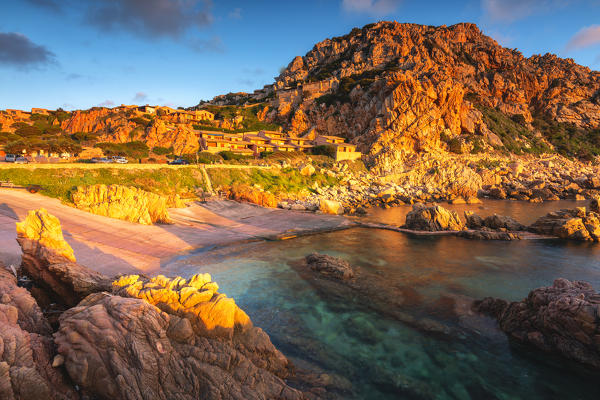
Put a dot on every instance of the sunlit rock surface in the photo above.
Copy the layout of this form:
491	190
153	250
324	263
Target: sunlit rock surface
124	202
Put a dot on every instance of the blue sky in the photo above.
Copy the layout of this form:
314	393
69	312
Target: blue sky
83	53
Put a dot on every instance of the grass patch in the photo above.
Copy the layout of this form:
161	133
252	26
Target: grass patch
61	182
287	180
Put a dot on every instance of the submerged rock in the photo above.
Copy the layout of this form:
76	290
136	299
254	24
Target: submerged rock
331	267
125	202
563	319
435	218
575	224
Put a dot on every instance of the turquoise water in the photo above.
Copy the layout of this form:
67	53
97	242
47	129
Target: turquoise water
374	356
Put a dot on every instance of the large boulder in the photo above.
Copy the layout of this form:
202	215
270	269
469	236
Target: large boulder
575	224
27	350
250	194
434	218
169	338
493	222
331	267
49	260
331	207
563	319
124	202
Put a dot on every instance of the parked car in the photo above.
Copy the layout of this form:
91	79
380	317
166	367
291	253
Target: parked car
119	160
10	158
101	160
21	160
179	161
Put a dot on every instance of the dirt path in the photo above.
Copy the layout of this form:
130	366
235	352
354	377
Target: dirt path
113	246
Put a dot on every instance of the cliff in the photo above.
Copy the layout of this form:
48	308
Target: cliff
399	89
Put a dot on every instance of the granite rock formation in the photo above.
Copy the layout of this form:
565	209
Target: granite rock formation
250	194
432	219
49	261
125	202
27	350
562	319
575	224
131	337
399	89
169	338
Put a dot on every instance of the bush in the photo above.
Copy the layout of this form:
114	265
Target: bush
324	150
229	155
161	151
134	149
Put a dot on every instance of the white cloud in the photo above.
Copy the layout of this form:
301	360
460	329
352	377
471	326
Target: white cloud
373	7
139	97
586	37
107	103
512	10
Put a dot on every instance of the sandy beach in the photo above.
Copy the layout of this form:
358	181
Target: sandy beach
113	246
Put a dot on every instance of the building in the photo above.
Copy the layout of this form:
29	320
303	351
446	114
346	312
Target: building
324	140
147	109
301	144
42	111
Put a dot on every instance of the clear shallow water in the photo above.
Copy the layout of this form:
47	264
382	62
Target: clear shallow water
383	358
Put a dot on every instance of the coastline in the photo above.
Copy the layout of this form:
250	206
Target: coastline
114	246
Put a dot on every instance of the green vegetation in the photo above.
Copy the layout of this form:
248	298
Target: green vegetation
515	137
250	117
325	150
568	139
287	180
342	94
135	149
61	182
161	151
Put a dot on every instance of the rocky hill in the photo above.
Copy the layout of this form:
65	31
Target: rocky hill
400	89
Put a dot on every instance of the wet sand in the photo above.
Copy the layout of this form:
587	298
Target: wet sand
113	246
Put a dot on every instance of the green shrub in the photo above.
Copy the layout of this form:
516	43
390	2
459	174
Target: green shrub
325	150
135	149
161	151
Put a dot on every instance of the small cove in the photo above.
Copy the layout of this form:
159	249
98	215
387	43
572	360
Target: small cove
379	357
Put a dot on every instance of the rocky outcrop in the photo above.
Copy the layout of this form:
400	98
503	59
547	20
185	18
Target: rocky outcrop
124	202
494	222
130	338
401	89
49	261
27	350
562	319
432	219
250	194
331	207
169	338
331	267
575	224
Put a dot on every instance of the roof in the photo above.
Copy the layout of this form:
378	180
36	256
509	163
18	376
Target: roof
330	137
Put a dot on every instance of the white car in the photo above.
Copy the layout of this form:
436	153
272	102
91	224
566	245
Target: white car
119	160
21	160
10	158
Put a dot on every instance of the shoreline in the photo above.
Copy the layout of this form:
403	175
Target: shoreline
113	246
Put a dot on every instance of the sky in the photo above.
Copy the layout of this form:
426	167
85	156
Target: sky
77	54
